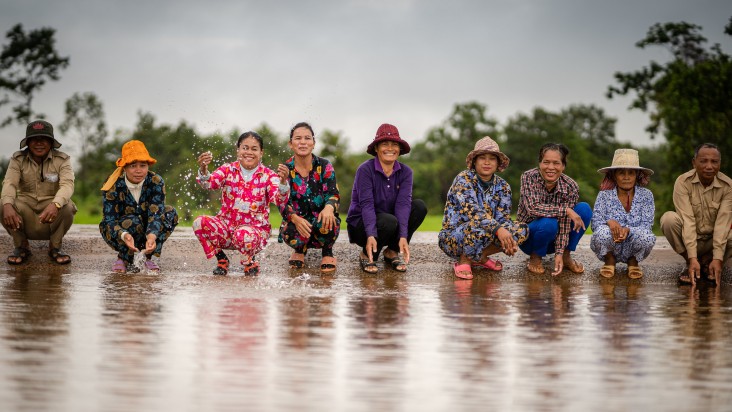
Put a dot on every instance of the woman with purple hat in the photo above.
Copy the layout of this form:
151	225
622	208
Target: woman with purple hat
623	215
477	221
382	212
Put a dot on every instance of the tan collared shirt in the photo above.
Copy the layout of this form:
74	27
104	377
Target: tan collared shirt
32	182
706	212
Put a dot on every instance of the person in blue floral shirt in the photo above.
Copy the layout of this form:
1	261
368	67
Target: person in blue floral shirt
623	215
135	216
477	221
310	219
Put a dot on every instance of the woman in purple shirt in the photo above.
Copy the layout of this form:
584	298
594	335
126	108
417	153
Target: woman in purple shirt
382	211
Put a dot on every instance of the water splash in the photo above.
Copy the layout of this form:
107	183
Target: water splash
138	262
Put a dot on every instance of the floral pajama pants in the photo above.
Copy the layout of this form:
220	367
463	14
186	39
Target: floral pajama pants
215	235
639	244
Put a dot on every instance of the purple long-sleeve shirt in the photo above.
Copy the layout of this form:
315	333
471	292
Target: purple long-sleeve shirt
374	193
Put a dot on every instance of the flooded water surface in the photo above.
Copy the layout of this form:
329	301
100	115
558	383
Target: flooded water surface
303	341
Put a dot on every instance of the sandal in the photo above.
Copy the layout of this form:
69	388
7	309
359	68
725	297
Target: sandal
463	271
21	255
635	272
366	266
327	267
608	271
296	263
396	263
575	267
490	264
151	266
251	268
58	257
536	269
119	266
222	267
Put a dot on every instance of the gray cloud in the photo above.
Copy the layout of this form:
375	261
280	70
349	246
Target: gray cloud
346	65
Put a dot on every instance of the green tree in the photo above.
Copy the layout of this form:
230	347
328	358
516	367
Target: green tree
84	114
526	133
27	62
441	156
689	98
333	146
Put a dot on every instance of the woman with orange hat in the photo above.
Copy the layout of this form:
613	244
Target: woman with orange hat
136	217
477	220
382	212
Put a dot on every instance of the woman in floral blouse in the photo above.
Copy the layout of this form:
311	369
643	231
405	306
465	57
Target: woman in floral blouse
310	219
623	215
135	216
247	189
477	221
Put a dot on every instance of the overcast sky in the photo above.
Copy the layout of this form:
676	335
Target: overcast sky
347	65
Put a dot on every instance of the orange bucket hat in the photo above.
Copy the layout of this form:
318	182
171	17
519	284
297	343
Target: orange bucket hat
132	151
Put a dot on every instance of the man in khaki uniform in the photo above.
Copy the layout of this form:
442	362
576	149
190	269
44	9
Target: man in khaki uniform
699	229
36	194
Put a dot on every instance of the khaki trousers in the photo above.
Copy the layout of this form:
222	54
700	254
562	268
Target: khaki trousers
33	229
671	226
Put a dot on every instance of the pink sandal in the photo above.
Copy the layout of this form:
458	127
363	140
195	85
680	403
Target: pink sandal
119	266
490	264
151	266
463	271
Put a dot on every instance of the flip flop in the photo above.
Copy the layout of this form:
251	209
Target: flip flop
20	252
490	264
608	271
463	271
635	272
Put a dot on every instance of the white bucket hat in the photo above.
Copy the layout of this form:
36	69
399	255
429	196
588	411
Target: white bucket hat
625	159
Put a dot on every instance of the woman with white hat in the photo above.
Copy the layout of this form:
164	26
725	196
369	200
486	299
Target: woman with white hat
623	215
477	221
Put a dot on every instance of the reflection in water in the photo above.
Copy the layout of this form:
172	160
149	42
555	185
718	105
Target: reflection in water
703	322
35	329
378	342
360	343
130	341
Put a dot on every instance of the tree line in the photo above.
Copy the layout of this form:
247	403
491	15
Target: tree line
688	100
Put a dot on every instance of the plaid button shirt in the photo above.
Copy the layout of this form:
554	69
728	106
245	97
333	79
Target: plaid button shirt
537	202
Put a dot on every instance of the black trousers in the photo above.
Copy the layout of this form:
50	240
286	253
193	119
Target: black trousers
387	229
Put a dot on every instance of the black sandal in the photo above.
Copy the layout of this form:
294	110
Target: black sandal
296	263
20	252
395	263
55	255
222	267
368	267
251	268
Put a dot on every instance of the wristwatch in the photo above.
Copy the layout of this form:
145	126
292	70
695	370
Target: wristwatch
57	204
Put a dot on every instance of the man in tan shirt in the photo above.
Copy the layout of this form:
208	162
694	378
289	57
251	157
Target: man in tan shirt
36	194
699	229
